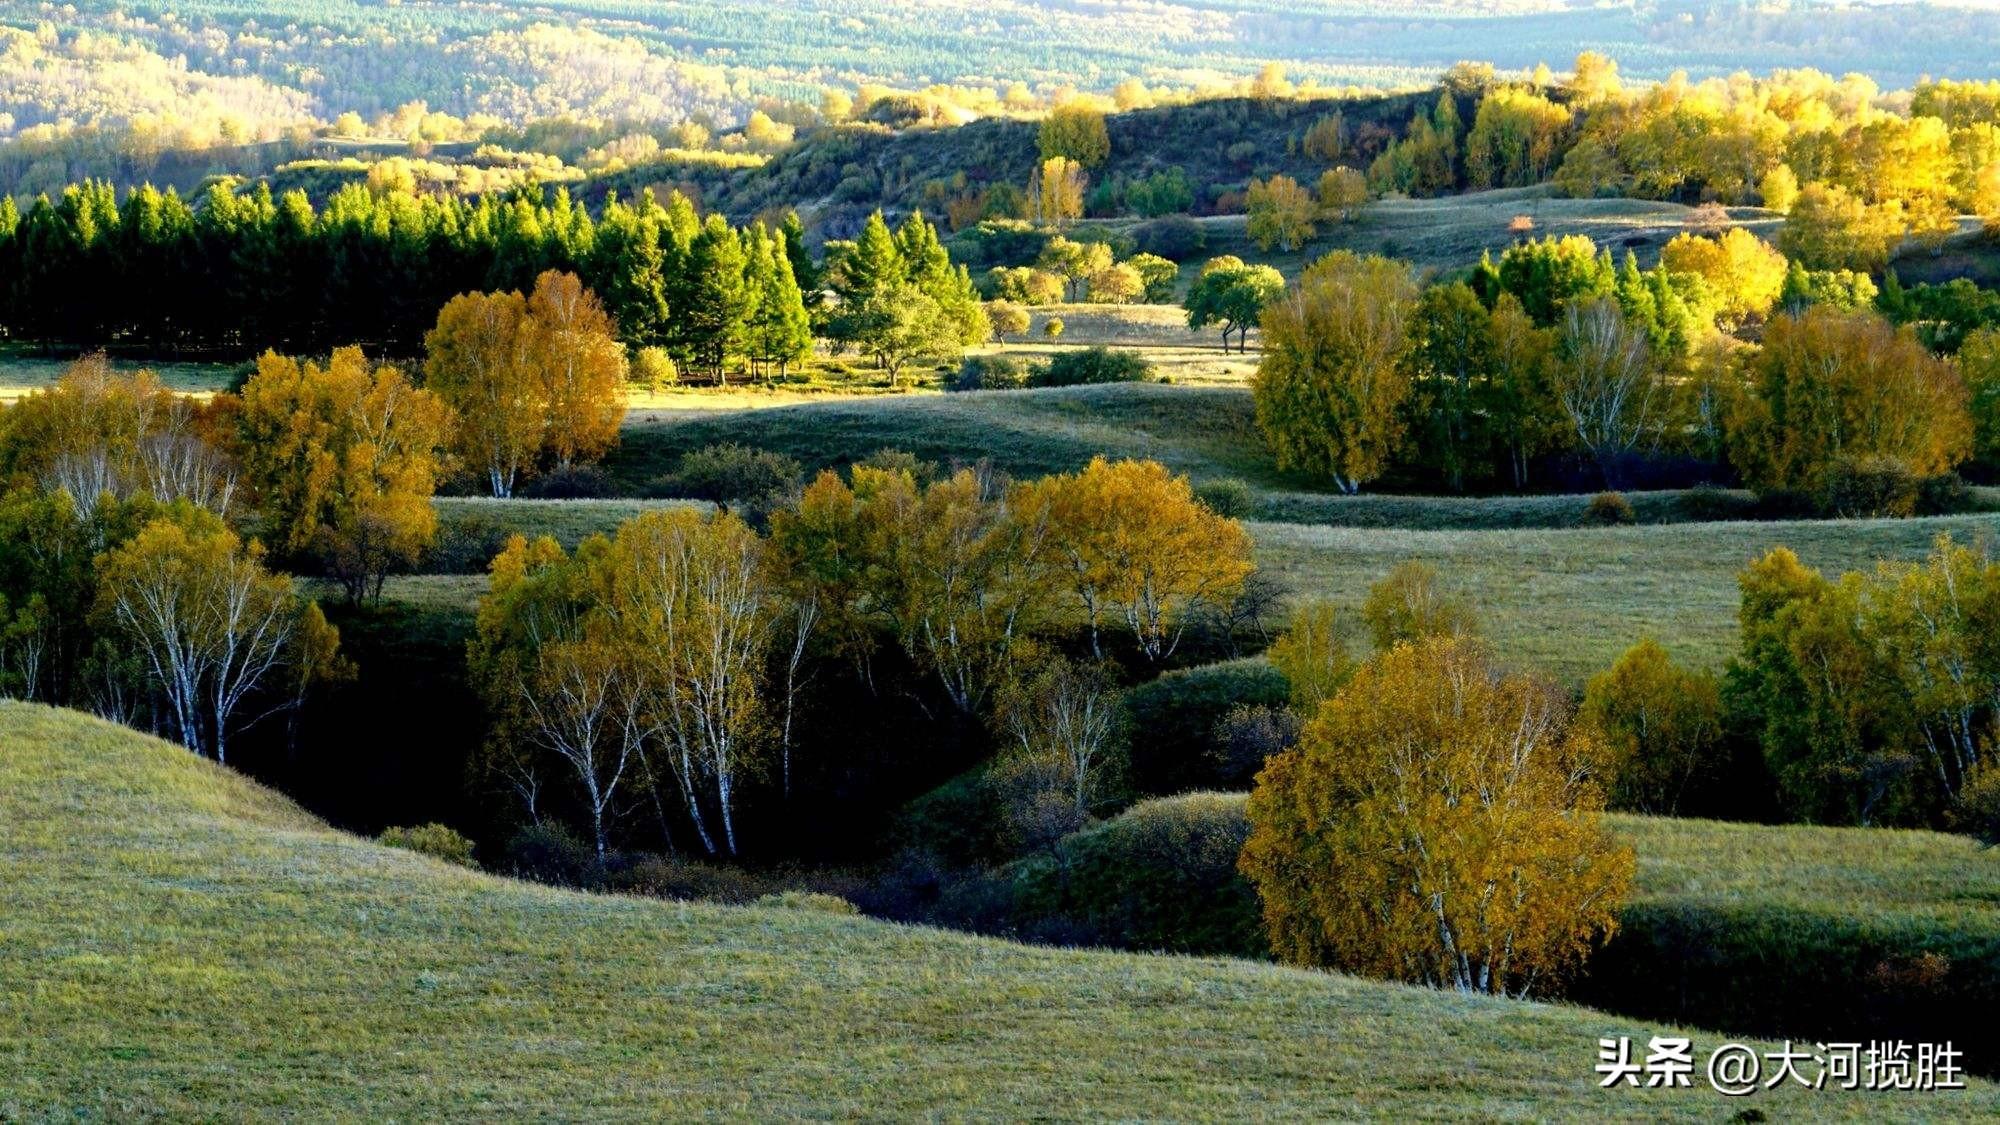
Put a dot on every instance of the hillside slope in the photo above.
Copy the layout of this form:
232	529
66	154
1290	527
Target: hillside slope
190	944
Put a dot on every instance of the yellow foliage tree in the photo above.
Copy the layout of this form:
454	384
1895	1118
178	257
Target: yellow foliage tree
1342	191
1133	539
1661	725
344	460
1281	214
1331	387
1742	269
1437	823
576	354
1312	656
210	626
1831	388
478	360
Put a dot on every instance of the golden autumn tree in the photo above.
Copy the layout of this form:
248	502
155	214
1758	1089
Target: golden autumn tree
956	581
1742	269
1331	387
1312	655
1661	725
1132	539
1832	389
210	627
1280	213
99	431
478	360
575	353
1437	823
344	458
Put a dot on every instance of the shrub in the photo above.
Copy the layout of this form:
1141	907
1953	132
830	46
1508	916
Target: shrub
961	823
728	471
1175	238
1227	497
435	840
1247	737
672	877
1862	488
1160	877
550	853
653	368
1977	812
1609	509
891	460
466	544
1092	365
1173	721
578	482
1052	327
1945	494
812	901
988	373
1707	503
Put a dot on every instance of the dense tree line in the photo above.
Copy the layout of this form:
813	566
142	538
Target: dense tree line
242	271
1551	350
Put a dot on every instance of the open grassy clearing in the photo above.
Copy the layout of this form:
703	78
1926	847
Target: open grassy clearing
568	521
1451	232
1205	432
191	944
23	372
1569	601
1947	881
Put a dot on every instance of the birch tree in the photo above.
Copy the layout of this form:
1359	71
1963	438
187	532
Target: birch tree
210	625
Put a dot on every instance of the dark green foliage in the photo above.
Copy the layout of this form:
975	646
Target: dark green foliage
1161	876
1546	273
549	853
730	472
1166	192
1004	242
1942	314
1227	497
1092	365
1174	718
1175	238
466	544
989	373
1776	970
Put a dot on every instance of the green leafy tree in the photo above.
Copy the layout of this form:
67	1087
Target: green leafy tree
1232	295
1332	384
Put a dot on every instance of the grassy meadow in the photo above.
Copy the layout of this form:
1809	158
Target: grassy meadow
1205	432
1451	232
1568	601
193	945
23	372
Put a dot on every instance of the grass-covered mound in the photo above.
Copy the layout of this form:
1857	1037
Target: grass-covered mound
1830	932
180	942
1205	432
